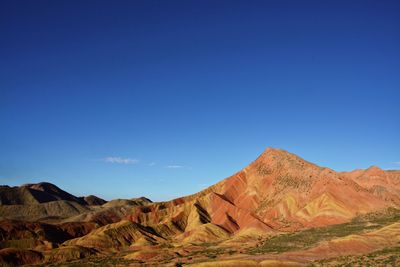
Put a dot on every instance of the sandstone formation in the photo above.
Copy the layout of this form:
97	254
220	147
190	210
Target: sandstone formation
275	196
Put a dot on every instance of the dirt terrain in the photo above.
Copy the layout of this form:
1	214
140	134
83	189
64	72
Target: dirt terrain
280	210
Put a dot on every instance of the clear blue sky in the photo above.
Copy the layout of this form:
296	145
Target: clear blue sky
162	98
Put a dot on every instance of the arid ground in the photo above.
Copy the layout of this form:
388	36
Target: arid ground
280	210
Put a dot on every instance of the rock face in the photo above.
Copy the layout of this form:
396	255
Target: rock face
36	219
278	191
42	236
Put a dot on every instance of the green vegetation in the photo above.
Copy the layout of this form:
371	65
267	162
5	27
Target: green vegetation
286	180
263	170
206	244
93	261
311	237
384	257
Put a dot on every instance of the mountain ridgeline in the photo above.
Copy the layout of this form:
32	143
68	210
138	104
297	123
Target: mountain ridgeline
41	193
275	196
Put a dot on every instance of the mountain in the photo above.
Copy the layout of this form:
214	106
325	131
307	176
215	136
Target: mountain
278	191
41	193
45	202
280	209
93	200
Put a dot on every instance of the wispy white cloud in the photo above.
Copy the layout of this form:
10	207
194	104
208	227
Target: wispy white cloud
174	166
151	164
396	162
119	160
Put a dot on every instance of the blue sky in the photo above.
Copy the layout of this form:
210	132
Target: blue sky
163	98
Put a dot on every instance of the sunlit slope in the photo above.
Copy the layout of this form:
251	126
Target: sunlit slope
277	191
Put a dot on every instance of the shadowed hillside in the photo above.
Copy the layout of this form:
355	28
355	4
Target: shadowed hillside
280	209
29	194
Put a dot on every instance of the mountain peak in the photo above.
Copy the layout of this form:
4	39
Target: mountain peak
276	158
43	186
278	153
271	153
273	150
374	170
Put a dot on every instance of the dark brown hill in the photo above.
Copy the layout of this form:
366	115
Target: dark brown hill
43	192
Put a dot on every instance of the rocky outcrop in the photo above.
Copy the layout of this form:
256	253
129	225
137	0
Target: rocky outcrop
278	192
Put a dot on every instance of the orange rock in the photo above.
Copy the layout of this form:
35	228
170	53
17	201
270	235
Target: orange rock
278	189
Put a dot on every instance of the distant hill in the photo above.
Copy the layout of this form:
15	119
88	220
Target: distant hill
280	210
29	194
93	200
48	203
